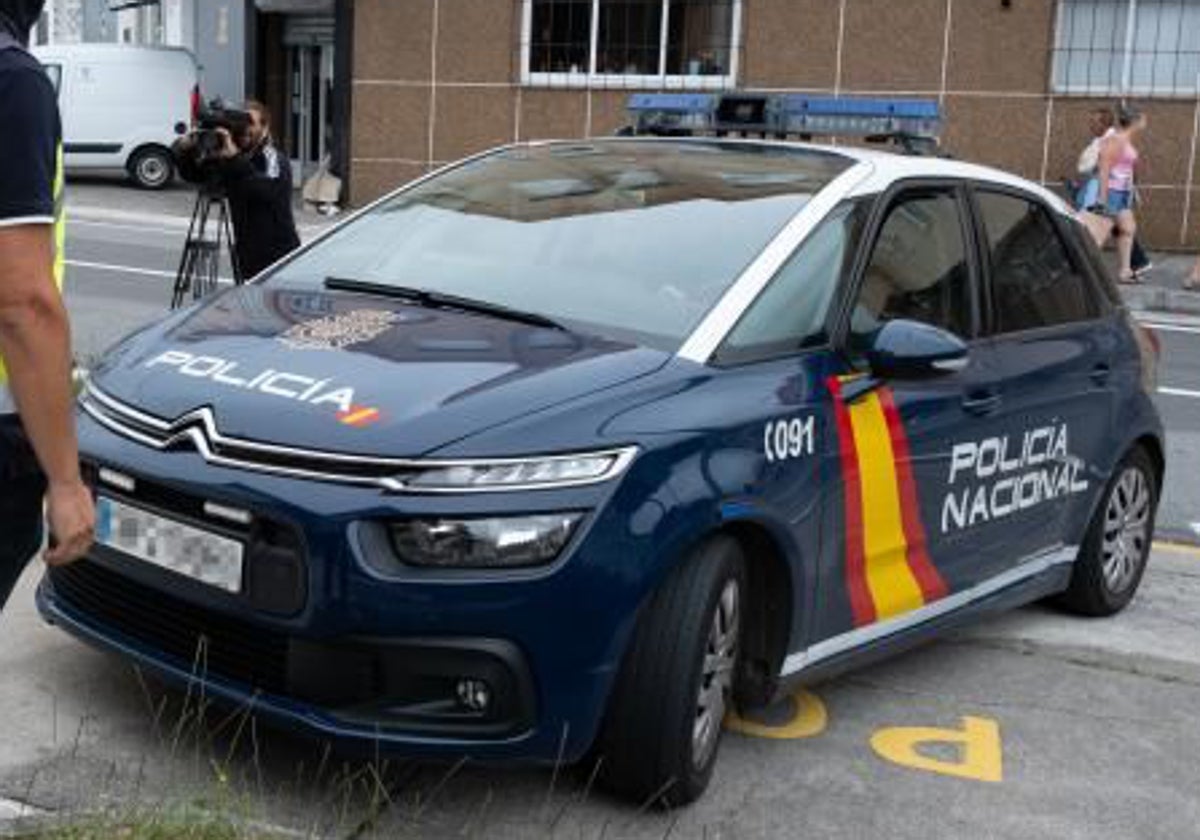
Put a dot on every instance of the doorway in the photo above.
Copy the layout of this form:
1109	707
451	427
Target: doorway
310	53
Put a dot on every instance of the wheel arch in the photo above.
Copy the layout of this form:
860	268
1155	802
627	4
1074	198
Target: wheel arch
1154	448
771	606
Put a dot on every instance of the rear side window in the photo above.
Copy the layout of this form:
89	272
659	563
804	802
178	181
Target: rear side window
791	313
1035	283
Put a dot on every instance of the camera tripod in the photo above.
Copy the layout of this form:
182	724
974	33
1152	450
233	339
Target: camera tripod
200	264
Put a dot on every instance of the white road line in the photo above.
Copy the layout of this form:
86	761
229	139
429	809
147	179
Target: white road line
1171	327
138	228
125	269
11	809
1180	392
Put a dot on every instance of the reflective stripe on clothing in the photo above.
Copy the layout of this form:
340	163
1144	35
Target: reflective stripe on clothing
7	404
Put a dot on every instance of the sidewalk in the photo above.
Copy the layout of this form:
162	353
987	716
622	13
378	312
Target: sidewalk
1161	289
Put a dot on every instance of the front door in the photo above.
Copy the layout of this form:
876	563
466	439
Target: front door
890	556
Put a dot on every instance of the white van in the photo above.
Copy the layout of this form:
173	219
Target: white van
122	106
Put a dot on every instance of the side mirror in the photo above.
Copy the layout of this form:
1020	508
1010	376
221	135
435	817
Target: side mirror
912	350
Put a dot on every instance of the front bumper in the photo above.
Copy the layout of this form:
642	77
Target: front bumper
403	693
348	654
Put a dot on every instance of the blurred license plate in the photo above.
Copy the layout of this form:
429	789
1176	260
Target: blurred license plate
189	551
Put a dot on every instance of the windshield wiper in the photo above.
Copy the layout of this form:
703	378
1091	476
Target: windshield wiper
441	300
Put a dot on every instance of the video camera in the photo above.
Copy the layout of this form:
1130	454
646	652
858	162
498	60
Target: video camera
213	116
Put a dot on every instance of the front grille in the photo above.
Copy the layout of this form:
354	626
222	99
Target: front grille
228	648
276	571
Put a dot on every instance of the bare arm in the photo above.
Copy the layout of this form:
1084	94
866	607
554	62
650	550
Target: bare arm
1109	152
35	342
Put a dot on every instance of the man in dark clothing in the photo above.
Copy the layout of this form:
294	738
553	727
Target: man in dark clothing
257	179
39	457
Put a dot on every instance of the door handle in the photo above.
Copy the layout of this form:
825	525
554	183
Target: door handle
1101	373
981	402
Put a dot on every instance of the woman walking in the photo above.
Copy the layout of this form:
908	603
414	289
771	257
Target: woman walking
1118	164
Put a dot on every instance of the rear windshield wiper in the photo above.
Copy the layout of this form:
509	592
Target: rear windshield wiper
440	300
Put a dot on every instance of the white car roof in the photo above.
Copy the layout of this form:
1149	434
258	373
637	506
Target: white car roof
887	168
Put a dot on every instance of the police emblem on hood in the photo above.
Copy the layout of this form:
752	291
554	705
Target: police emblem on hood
337	332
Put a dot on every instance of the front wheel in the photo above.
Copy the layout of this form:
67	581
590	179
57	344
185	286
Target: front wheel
665	718
151	168
1117	545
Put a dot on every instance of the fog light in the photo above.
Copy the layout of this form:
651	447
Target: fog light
474	695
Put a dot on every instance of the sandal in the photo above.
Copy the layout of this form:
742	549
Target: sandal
1129	279
1191	283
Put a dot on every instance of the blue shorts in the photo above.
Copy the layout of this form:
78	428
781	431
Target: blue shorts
1119	200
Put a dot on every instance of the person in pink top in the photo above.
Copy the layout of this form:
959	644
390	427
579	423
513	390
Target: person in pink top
1118	166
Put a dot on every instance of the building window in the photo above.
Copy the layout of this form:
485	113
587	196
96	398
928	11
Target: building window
631	43
1128	47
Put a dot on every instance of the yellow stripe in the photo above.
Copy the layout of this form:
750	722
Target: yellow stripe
361	414
60	243
893	587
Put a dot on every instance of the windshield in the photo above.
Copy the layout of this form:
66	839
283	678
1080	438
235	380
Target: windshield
630	239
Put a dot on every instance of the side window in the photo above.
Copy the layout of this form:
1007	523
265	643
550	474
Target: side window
1034	282
918	270
791	313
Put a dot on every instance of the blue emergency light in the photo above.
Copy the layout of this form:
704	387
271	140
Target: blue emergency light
914	123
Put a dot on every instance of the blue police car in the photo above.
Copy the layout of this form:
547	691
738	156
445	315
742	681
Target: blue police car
562	450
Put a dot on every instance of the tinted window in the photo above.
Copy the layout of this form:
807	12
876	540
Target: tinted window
1034	282
634	239
791	312
918	270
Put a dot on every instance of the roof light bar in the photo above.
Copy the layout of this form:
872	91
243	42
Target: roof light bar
915	123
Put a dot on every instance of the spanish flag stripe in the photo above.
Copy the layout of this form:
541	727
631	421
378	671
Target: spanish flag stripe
359	415
861	604
893	586
931	583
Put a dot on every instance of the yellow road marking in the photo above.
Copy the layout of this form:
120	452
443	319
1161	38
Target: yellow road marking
809	719
1177	548
978	744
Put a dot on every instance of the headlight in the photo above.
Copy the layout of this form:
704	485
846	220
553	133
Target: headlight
507	543
525	473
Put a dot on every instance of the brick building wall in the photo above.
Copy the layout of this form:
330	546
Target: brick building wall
438	79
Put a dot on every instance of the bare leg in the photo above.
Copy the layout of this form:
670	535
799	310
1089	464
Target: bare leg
1193	280
1128	227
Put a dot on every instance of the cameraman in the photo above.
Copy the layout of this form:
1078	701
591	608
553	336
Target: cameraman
257	179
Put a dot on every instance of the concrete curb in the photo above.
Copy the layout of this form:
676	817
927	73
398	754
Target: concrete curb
1157	299
1156	636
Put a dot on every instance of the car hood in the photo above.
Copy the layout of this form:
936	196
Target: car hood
344	372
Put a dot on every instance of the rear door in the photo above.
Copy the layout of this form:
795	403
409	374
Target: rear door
1048	362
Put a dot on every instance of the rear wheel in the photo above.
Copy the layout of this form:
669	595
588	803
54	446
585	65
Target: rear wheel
664	722
1117	545
151	167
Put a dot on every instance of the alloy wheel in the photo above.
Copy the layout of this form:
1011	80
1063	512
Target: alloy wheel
1126	530
716	678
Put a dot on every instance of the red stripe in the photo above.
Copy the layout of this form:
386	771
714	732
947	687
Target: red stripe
861	603
931	583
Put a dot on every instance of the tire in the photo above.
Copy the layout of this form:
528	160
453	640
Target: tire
1116	547
661	735
151	167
